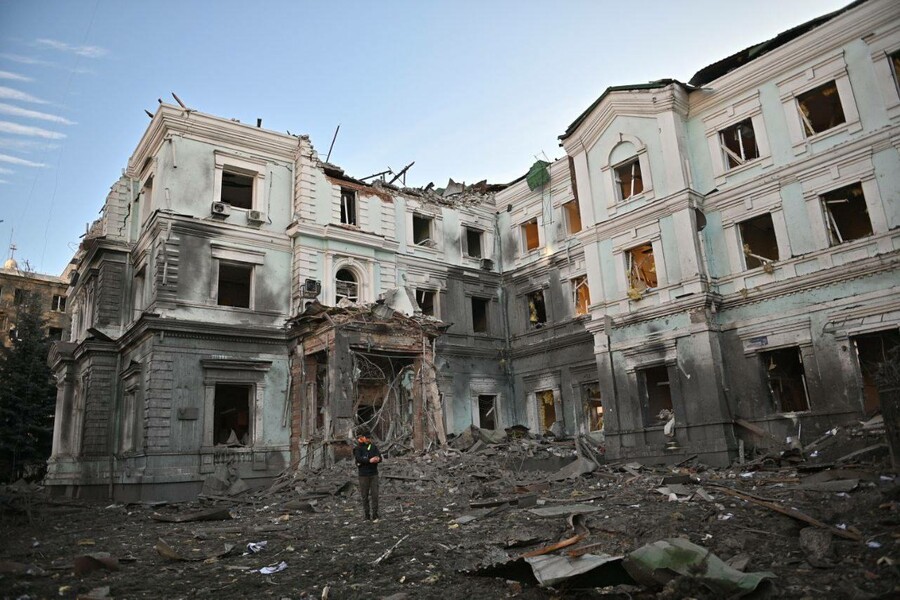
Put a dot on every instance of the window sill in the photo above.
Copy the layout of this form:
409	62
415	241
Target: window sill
762	162
804	145
847	242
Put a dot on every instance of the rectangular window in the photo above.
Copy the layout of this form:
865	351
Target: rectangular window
473	242
235	283
846	214
820	109
18	296
422	231
137	290
425	299
546	409
237	189
231	420
54	333
593	406
537	310
657	394
739	144
641	268
58	303
628	179
787	382
873	351
573	217
895	64
480	315
487	412
530	238
348	206
758	241
581	295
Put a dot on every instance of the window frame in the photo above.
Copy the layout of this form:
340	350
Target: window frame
568	208
428	220
58	303
523	236
742	251
243	166
579	282
487	314
467	230
356	281
250	267
533	320
832	230
618	184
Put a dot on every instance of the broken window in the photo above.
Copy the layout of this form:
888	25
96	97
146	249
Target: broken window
54	333
581	294
547	409
231	420
758	241
573	217
473	242
346	286
237	189
628	179
787	382
846	214
657	394
640	268
422	231
480	315
18	296
530	238
593	406
425	300
487	412
58	303
895	63
872	350
235	283
348	206
820	109
537	311
739	144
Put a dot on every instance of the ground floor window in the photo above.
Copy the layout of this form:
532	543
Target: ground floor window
487	411
546	409
231	421
657	394
593	405
787	382
872	351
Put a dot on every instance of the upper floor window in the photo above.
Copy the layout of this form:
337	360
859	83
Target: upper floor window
640	268
422	235
846	214
235	285
346	286
54	333
237	189
239	182
537	309
820	109
480	322
58	303
894	57
473	242
738	144
758	242
628	178
573	217
425	300
531	239
581	295
18	296
348	206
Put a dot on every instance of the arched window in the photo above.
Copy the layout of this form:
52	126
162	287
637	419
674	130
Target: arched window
346	286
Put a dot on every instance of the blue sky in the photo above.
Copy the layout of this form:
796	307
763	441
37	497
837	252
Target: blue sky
468	89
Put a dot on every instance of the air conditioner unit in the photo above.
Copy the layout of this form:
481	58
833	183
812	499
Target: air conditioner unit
312	288
256	216
487	264
220	209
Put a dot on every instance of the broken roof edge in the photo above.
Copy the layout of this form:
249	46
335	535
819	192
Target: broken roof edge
743	57
634	87
317	313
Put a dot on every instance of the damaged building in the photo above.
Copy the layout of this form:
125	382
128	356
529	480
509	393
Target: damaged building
710	262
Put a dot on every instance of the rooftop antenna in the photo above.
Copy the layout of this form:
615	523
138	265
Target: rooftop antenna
331	147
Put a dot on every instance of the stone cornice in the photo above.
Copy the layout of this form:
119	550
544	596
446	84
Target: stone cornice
649	213
340	233
213	229
149	325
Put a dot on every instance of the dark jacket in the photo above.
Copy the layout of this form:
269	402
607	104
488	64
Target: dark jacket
362	453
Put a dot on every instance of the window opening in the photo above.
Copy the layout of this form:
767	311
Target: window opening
237	189
425	300
581	295
480	315
547	407
422	231
787	382
846	214
758	242
820	109
54	333
537	310
628	179
739	144
58	304
232	414
137	301
234	284
872	351
348	206
473	242
593	405
573	217
487	417
346	286
657	394
641	269
18	296
895	63
530	235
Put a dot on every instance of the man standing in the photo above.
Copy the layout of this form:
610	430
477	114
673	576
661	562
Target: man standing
367	458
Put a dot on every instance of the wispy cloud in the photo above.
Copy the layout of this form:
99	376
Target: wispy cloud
2	181
7	93
80	50
6	171
19	161
26	145
14	76
9	109
27	60
15	128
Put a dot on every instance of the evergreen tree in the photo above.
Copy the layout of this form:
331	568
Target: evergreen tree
27	393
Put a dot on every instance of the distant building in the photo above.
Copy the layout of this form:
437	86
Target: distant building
51	292
710	259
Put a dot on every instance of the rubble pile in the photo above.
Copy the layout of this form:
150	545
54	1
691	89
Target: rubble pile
493	514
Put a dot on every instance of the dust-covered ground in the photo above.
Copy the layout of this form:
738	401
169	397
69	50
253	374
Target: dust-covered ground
431	541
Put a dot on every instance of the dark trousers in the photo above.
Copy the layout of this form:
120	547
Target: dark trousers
368	490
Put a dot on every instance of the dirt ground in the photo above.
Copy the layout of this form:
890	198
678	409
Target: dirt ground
312	523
